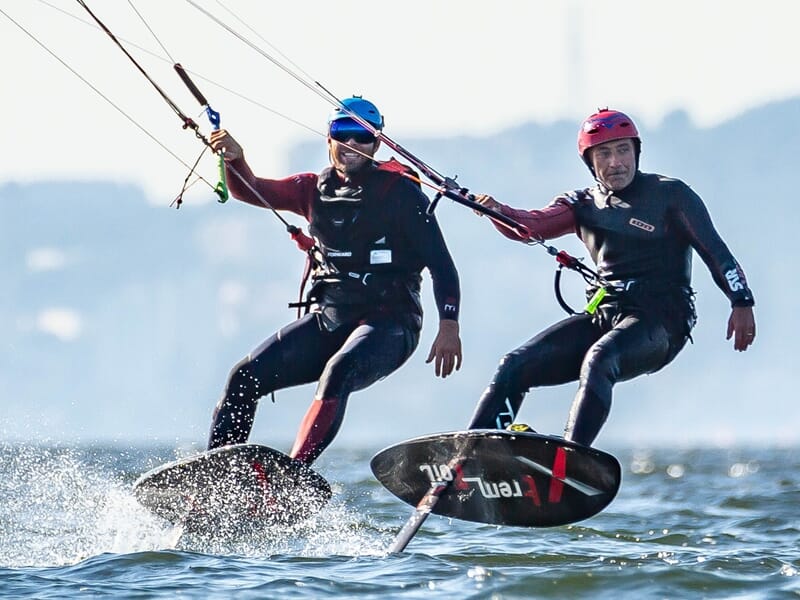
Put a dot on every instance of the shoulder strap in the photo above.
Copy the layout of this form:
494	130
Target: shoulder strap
394	166
395	171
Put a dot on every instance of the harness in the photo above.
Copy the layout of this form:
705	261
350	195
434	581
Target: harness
347	242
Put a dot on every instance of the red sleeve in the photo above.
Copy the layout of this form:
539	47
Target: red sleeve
294	193
554	220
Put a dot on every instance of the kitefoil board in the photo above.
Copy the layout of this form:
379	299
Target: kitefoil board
233	488
500	477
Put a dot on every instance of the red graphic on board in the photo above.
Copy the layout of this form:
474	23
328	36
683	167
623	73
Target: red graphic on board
264	485
559	472
458	481
531	492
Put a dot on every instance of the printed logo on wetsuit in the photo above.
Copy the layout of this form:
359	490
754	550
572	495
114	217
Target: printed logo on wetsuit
734	280
334	254
642	225
615	202
380	257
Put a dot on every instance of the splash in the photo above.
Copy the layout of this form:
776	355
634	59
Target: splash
57	509
60	506
336	530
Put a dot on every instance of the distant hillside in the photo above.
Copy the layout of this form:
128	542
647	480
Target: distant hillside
121	319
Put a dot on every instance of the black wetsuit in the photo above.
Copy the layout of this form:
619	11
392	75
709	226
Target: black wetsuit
641	239
365	310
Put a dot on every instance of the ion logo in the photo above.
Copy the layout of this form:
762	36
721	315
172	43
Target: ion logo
642	225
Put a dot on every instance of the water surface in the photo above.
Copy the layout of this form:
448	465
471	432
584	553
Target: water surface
687	523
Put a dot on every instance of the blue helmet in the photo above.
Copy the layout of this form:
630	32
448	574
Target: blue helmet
358	106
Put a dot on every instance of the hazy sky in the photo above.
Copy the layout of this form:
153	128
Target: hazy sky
435	68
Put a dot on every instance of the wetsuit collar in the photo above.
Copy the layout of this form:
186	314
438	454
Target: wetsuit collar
356	178
334	186
637	178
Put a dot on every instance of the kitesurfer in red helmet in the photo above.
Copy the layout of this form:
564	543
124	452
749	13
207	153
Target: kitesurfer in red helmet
640	230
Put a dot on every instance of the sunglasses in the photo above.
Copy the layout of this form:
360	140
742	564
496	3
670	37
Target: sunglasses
344	130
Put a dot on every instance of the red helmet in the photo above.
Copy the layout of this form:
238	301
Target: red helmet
604	126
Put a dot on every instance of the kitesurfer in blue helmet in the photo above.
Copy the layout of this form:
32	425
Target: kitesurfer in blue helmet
364	314
640	230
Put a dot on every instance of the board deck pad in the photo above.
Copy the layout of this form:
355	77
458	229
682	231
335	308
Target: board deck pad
236	488
501	477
